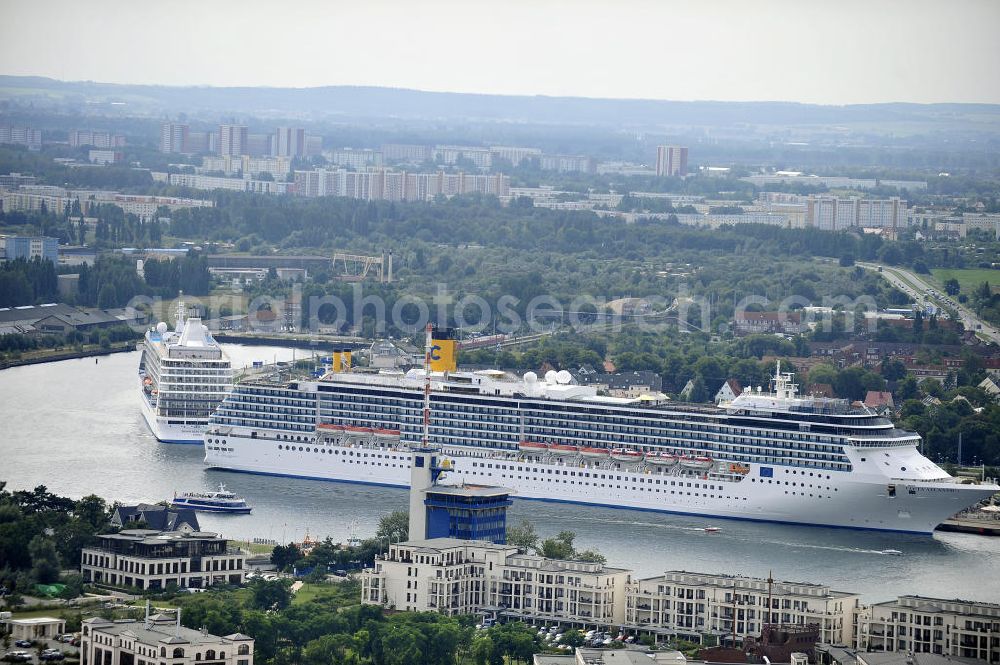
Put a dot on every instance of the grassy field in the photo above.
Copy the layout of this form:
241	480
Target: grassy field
968	278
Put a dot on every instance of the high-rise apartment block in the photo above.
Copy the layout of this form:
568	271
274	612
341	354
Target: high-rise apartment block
401	152
26	136
385	185
289	142
671	160
233	140
568	163
356	159
514	154
453	154
99	139
174	137
831	213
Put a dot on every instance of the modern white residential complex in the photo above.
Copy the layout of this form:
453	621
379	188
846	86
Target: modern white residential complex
696	604
961	628
468	576
151	560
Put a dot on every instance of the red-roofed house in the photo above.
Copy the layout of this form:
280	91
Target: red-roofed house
880	401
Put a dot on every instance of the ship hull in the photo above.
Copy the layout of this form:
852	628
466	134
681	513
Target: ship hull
201	508
166	432
838	500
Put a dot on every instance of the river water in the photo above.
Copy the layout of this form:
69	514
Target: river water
75	427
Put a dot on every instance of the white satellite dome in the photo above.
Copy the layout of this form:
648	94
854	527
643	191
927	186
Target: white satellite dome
530	377
550	376
564	377
161	327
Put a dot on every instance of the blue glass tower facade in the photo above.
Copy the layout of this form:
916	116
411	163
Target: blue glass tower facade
467	512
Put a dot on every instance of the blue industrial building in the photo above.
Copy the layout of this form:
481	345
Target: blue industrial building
28	247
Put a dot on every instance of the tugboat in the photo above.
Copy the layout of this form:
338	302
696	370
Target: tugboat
212	502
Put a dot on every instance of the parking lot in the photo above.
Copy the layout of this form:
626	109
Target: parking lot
42	651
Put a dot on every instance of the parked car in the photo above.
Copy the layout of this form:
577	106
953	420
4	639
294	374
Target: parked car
67	638
23	643
17	657
52	654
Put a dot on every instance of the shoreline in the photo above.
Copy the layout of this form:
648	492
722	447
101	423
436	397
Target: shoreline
72	354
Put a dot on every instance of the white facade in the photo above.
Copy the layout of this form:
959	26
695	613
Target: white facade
450	154
356	159
466	576
174	137
959	628
696	604
157	640
233	140
183	376
387	185
289	142
35	628
150	560
515	155
835	214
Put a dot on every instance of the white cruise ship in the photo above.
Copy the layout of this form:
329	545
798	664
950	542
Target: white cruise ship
183	376
769	456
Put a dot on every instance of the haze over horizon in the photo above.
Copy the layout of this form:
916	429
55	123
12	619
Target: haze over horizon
847	52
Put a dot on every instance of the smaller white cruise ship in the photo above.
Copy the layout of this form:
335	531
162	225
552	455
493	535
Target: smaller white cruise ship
183	376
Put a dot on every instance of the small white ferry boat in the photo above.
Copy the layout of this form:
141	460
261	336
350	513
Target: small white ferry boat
222	501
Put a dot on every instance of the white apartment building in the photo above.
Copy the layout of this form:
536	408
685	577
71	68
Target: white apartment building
404	152
26	136
515	155
835	214
148	559
356	159
931	625
96	138
450	154
197	181
174	137
386	185
233	140
289	142
698	604
157	640
277	167
714	221
568	163
467	577
833	182
105	156
982	221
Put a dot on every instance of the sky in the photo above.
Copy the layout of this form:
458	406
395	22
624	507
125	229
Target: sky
816	51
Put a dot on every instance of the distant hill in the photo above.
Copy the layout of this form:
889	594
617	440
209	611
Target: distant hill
351	101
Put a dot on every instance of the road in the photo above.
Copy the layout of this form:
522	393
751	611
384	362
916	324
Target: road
920	290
